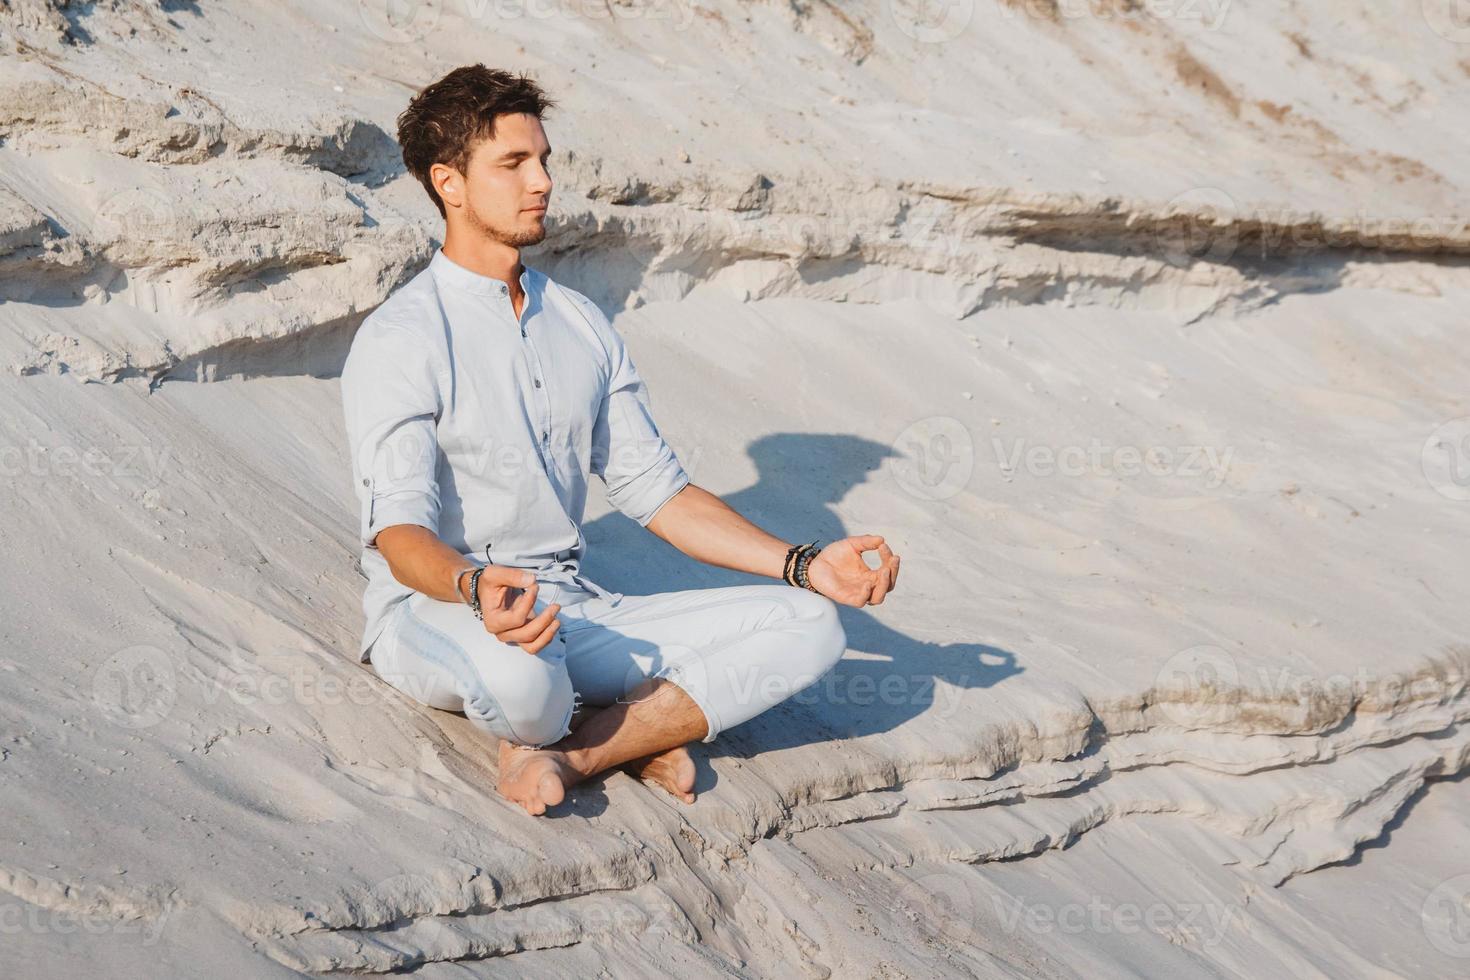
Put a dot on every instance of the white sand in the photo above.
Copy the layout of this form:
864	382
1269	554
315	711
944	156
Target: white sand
1118	719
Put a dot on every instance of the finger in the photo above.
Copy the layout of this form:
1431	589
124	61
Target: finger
880	589
896	560
516	614
515	578
528	631
501	597
866	542
525	602
536	645
885	552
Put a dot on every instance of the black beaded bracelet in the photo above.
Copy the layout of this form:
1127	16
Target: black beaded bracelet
475	593
786	569
802	565
790	566
798	558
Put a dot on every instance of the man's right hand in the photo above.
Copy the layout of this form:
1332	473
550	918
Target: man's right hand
419	560
508	615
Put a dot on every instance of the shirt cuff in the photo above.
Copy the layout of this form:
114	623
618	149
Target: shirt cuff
400	507
642	497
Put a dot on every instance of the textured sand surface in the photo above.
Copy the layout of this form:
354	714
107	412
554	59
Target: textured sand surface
1142	338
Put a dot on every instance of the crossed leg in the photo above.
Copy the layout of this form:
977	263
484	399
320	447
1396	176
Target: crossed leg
646	734
668	669
675	667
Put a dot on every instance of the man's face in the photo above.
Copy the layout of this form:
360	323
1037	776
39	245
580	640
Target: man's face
505	189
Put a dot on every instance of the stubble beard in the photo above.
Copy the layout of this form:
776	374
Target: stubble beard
514	237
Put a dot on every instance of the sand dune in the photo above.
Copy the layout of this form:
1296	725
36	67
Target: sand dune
1140	337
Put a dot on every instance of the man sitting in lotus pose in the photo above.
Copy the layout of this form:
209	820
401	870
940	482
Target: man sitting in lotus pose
478	398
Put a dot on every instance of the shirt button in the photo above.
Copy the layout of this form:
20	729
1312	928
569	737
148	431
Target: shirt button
364	482
538	382
504	288
545	437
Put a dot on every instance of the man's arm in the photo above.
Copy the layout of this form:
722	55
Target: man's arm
424	563
419	560
390	405
706	528
646	481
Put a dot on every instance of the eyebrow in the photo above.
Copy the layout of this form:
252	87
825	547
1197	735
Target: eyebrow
518	155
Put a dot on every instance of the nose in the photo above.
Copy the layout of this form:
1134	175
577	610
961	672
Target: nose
540	181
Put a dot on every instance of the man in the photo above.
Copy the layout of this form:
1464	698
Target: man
478	399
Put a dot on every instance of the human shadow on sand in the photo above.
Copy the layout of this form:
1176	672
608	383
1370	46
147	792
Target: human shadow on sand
898	678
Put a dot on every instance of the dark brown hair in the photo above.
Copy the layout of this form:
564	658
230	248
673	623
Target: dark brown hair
444	121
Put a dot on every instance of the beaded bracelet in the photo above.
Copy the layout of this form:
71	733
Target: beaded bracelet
791	555
798	559
475	593
801	569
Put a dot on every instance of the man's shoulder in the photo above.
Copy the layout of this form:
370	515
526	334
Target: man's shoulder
405	328
414	307
411	314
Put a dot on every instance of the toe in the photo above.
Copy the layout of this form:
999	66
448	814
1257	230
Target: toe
551	790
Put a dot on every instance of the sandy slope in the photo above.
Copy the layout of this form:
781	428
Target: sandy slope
1181	618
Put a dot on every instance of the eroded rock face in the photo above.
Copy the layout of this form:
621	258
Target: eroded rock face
1141	338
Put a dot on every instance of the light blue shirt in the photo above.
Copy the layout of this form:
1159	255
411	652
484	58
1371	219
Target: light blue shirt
483	427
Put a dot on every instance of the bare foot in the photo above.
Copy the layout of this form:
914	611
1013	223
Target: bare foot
672	769
534	778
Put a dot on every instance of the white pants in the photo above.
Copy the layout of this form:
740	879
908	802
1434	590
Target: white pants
735	651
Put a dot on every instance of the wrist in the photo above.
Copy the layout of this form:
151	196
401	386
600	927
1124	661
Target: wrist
798	560
461	589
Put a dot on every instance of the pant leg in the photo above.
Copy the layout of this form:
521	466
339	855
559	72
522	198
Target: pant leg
735	651
439	654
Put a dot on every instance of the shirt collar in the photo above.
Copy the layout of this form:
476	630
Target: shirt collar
446	270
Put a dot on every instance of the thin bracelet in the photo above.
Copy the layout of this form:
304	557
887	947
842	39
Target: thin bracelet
458	577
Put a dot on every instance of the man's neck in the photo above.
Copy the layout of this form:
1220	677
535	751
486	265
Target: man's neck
486	257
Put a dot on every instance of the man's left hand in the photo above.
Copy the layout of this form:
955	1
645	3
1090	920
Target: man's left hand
840	573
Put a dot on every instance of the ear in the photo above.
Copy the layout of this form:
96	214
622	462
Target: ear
449	183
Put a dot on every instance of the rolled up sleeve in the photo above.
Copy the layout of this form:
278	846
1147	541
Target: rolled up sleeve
628	453
390	403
